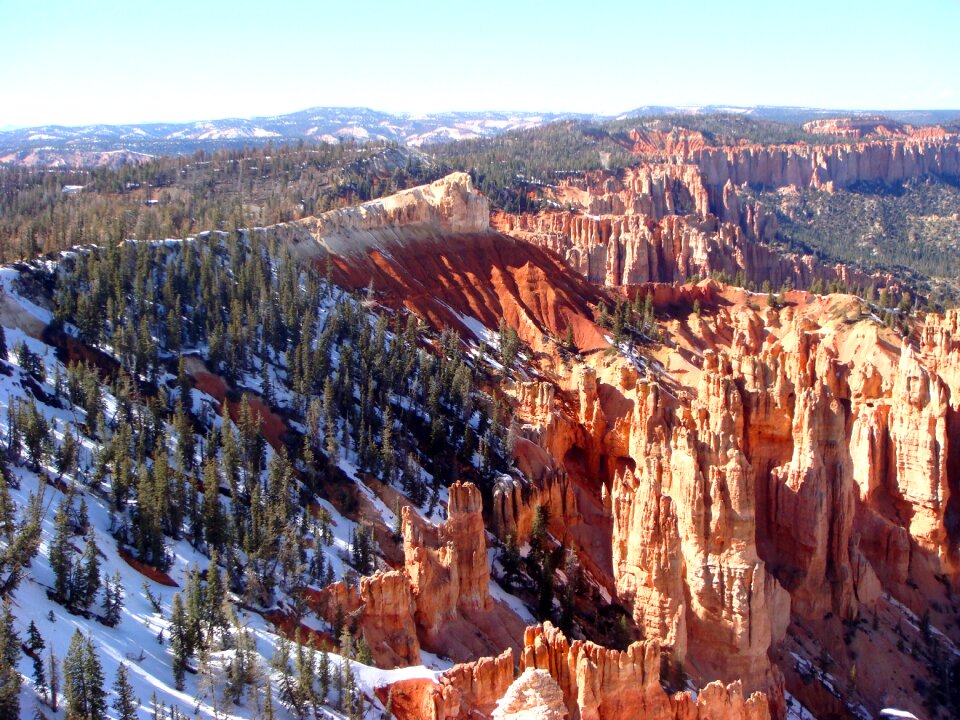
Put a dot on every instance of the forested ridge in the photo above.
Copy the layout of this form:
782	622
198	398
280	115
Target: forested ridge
113	447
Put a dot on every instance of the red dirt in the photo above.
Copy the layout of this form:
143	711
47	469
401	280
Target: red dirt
486	276
273	426
287	624
158	576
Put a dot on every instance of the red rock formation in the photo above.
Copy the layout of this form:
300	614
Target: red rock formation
466	690
596	684
382	607
448	565
674	141
770	465
439	600
430	249
624	229
685	557
887	161
603	684
799	466
630	249
534	695
861	127
940	348
450	577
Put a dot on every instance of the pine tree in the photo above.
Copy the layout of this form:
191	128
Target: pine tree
268	713
87	574
19	541
125	703
61	561
66	454
386	444
266	385
510	561
364	654
213	524
179	643
53	677
83	681
10	678
324	676
280	662
113	602
509	346
538	530
304	669
215	596
37	645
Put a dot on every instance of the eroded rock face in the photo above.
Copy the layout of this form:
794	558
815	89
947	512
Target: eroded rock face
815	166
681	218
797	466
465	690
382	606
447	566
450	578
603	684
449	205
439	600
534	695
773	464
431	249
615	250
579	681
685	555
861	127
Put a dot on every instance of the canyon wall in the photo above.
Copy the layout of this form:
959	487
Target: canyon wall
622	250
440	600
792	465
679	217
578	681
825	166
765	474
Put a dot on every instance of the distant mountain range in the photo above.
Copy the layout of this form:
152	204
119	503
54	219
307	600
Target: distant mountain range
94	145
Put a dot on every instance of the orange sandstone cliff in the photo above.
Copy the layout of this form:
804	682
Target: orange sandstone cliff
769	494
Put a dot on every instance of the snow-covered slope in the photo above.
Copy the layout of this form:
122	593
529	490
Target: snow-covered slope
142	639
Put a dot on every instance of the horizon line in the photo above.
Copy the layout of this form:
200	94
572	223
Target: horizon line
715	108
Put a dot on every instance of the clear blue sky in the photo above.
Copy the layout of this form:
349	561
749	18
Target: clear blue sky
83	61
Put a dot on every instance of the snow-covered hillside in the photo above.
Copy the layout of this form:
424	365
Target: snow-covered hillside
100	437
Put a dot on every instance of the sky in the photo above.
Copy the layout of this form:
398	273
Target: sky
101	61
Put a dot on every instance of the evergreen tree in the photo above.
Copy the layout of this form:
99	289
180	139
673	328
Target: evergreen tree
213	522
509	346
304	668
10	678
215	598
61	561
53	678
113	602
280	662
37	645
87	574
19	541
323	674
125	702
83	681
510	561
179	643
